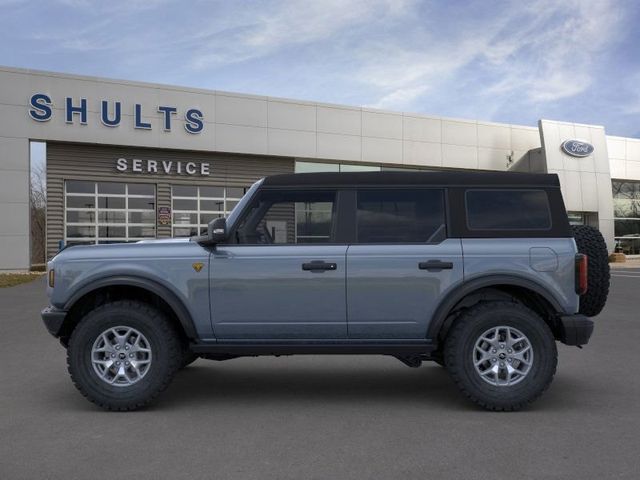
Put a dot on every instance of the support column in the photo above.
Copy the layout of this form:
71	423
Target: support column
14	204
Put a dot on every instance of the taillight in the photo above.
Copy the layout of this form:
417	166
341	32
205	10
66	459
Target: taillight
582	283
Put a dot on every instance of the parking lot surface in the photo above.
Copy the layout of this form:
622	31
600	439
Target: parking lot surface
321	417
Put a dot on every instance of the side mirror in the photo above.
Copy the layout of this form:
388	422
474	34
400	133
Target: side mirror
217	230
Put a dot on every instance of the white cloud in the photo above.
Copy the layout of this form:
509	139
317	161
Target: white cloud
552	56
251	35
632	104
541	50
121	6
404	75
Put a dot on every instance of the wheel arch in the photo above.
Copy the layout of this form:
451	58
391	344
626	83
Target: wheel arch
127	286
493	287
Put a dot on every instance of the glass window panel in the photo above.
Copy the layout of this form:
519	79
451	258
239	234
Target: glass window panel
111	232
185	231
111	188
185	218
626	227
207	200
359	168
142	232
112	214
231	204
207	217
625	208
79	242
313	219
301	239
212	192
75	186
142	217
399	216
111	217
212	205
82	216
281	220
628	245
142	189
235	192
185	204
112	202
184	191
81	202
77	232
576	218
626	190
406	169
142	203
508	210
310	167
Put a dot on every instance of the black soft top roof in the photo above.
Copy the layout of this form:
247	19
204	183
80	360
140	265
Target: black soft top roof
502	179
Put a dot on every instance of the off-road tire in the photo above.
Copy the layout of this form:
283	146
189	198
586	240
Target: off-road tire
188	357
165	346
438	358
590	242
460	344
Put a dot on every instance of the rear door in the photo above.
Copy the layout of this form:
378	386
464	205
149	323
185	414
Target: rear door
401	263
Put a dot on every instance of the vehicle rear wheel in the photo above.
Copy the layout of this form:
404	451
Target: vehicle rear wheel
591	242
123	354
502	355
438	358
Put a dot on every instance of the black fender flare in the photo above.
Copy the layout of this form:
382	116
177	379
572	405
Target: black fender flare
177	305
461	291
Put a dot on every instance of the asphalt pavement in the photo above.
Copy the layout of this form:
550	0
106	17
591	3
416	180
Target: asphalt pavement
321	417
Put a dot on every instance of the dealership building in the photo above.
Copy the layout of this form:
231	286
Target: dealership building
127	161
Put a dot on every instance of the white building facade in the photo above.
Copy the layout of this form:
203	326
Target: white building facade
129	160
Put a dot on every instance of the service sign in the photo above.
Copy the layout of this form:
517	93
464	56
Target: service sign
162	167
577	148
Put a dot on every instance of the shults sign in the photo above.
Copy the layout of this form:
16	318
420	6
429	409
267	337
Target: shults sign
41	109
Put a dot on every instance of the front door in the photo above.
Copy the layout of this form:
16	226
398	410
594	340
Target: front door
284	277
401	264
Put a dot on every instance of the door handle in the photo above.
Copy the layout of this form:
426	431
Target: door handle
435	265
319	266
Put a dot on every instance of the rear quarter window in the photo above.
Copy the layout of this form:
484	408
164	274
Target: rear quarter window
513	209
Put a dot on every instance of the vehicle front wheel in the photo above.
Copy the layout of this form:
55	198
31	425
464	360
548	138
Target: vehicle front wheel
123	354
188	357
502	355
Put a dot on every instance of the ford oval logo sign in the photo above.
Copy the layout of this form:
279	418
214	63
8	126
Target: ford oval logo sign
577	148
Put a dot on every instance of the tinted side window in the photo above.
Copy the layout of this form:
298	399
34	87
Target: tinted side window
289	217
400	216
507	210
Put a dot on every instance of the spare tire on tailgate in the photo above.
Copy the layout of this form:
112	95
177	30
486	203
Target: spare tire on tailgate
590	242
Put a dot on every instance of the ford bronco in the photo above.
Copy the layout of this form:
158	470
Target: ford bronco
479	272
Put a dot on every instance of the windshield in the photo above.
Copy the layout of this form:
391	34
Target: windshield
233	216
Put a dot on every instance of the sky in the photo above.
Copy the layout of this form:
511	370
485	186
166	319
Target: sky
501	61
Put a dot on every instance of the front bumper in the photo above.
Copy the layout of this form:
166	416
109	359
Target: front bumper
575	329
54	320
